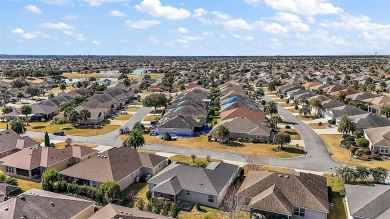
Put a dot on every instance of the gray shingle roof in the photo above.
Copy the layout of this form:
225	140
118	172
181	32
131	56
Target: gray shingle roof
370	120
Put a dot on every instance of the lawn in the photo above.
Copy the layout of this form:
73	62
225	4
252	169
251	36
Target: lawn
292	132
268	168
293	110
188	160
132	109
284	104
339	208
3	125
341	154
27	185
75	75
140	189
317	126
124	117
57	90
273	96
152	117
302	117
63	144
234	147
69	130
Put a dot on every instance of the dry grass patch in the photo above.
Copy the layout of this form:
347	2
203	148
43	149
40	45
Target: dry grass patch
317	126
124	117
27	185
62	145
339	210
75	75
341	154
133	109
152	117
70	130
292	132
233	147
248	168
302	117
293	110
188	160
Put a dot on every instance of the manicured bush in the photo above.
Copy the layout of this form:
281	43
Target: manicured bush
376	157
362	142
141	204
358	134
288	127
320	124
148	195
296	107
197	206
167	137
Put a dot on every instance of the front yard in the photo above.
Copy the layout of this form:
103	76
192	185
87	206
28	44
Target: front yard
317	126
234	147
152	117
124	117
342	155
68	129
292	132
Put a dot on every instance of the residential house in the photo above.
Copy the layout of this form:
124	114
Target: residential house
379	139
367	202
284	195
112	211
124	165
333	88
183	183
338	112
359	97
369	120
30	163
375	104
36	203
258	116
11	142
7	191
180	125
245	128
308	85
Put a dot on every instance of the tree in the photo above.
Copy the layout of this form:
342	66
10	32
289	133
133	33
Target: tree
362	172
304	110
139	126
340	95
110	190
135	139
346	125
47	139
7	109
255	161
19	95
275	119
193	157
85	115
61	122
281	139
18	126
379	174
155	100
51	96
345	173
271	108
222	134
62	86
302	100
32	91
385	111
26	110
141	204
362	142
259	93
49	178
315	104
232	204
73	116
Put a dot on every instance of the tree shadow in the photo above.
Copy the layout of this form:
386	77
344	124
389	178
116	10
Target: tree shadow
293	150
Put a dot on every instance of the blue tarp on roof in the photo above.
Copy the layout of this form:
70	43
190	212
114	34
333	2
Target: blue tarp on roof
230	100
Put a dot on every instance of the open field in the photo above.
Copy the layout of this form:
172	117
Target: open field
69	130
342	154
75	75
234	147
188	160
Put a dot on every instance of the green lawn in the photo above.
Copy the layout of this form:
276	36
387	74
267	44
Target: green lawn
188	160
339	208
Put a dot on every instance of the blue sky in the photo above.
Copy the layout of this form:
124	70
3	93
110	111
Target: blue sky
195	27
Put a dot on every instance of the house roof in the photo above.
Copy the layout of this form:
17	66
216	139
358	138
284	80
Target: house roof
320	97
244	112
114	164
9	140
36	203
379	136
6	189
368	201
347	110
370	120
112	211
203	180
347	91
187	110
361	96
245	125
333	88
329	104
38	156
277	192
378	100
311	84
180	121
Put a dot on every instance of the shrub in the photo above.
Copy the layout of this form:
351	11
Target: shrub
288	127
345	136
256	140
167	137
263	102
359	152
240	140
141	204
364	157
165	208
174	210
208	158
149	207
376	157
148	195
358	134
320	124
200	163
197	206
362	142
288	101
296	107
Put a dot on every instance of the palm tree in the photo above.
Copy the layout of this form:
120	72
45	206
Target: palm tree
346	125
275	119
385	111
345	173
222	134
362	172
305	111
302	101
379	174
135	139
340	96
271	108
315	104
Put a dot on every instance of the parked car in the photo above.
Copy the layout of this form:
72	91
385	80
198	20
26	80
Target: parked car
59	133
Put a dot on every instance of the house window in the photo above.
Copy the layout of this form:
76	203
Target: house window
299	211
9	169
384	150
22	172
188	192
211	198
94	184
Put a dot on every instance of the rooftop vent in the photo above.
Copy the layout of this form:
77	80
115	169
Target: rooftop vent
52	204
22	198
286	176
280	175
6	208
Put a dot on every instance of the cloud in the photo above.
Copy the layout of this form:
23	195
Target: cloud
153	39
18	30
207	33
286	17
187	39
117	13
249	38
235	24
78	36
199	12
253	3
274	28
299	27
141	24
155	9
305	7
25	35
32	8
71	17
96	42
97	3
275	43
223	36
182	30
56	2
57	26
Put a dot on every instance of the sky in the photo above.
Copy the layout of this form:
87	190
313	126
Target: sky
195	27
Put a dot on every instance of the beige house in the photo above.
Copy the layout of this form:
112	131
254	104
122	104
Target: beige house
379	139
112	211
11	142
36	203
31	162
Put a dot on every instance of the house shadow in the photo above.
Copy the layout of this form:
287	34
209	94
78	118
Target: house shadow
294	150
234	144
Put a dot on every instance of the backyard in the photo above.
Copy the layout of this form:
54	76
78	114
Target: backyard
339	209
342	155
233	147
